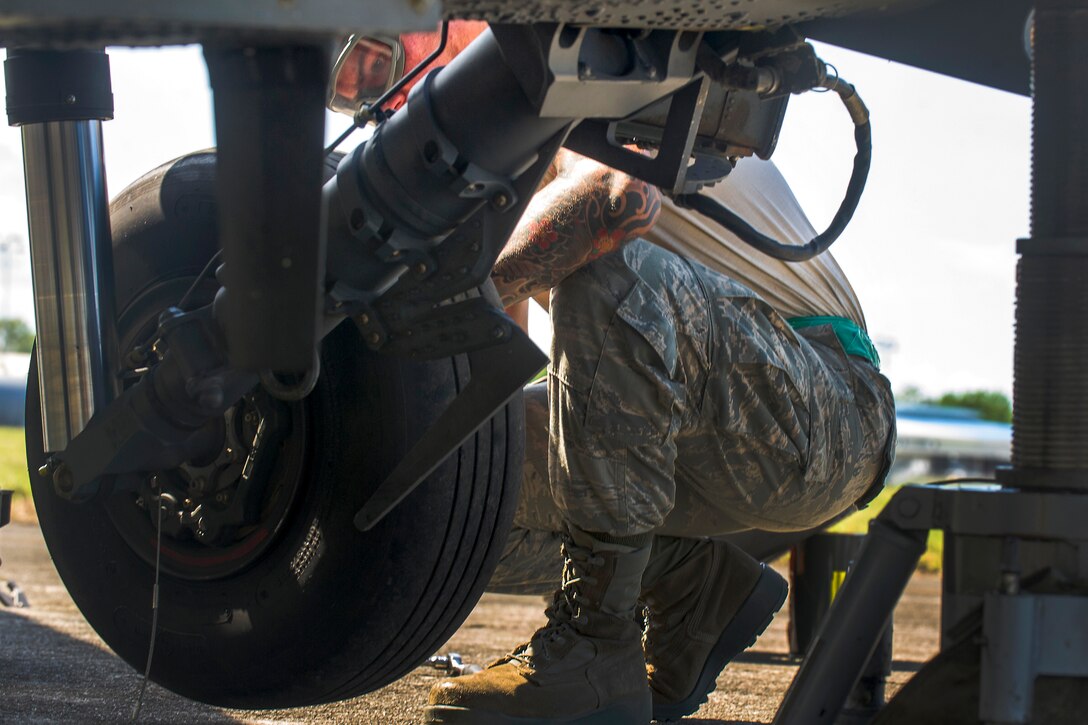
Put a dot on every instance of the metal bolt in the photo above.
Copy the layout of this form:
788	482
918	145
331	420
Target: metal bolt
286	263
373	338
221	497
500	200
498	332
651	72
395	253
364	318
70	99
421	268
63	479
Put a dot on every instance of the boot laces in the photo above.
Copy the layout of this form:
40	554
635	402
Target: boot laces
564	613
653	624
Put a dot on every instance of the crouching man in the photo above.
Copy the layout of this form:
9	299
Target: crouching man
696	388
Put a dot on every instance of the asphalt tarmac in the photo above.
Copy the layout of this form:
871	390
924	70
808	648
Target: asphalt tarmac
55	669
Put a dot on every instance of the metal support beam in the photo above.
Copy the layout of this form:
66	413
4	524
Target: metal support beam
59	98
853	627
270	128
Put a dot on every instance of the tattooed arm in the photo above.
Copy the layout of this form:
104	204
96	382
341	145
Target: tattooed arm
586	211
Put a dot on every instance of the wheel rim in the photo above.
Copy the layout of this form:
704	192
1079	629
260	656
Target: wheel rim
219	515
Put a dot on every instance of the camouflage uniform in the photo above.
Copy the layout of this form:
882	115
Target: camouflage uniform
679	402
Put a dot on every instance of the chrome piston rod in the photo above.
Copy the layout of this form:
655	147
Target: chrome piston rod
72	264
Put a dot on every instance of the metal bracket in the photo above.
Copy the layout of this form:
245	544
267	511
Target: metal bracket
433	310
990	511
497	374
591	75
669	169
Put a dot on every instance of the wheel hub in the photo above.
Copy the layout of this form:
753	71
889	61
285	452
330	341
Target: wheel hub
223	500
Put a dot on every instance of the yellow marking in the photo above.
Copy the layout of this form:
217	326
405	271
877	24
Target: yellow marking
837	578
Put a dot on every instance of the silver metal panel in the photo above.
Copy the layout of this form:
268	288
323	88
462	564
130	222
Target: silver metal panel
148	22
1064	638
1007	681
68	216
1025	636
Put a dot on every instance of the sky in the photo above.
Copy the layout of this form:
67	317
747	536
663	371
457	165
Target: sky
930	251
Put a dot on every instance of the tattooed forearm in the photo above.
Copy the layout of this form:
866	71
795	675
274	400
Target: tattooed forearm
572	221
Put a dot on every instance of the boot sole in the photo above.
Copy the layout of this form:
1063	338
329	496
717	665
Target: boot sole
750	621
629	714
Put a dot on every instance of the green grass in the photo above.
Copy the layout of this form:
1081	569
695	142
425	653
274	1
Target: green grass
858	523
13	462
13	474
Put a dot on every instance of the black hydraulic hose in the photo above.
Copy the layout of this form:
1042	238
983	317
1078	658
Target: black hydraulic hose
802	252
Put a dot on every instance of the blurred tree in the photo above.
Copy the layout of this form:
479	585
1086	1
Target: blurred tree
15	335
910	394
990	404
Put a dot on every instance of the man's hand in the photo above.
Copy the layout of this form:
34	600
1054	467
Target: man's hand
586	211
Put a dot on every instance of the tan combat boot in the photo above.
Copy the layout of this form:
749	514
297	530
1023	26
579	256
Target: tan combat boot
585	666
707	601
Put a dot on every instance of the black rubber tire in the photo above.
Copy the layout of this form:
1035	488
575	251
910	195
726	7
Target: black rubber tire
327	612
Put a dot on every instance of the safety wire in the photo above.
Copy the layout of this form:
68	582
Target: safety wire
859	114
154	613
205	273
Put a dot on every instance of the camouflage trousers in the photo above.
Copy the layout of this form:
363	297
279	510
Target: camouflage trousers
678	402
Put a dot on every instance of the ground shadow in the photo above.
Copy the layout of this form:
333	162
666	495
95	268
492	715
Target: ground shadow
48	676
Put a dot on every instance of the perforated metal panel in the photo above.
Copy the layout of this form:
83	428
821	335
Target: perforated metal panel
688	14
